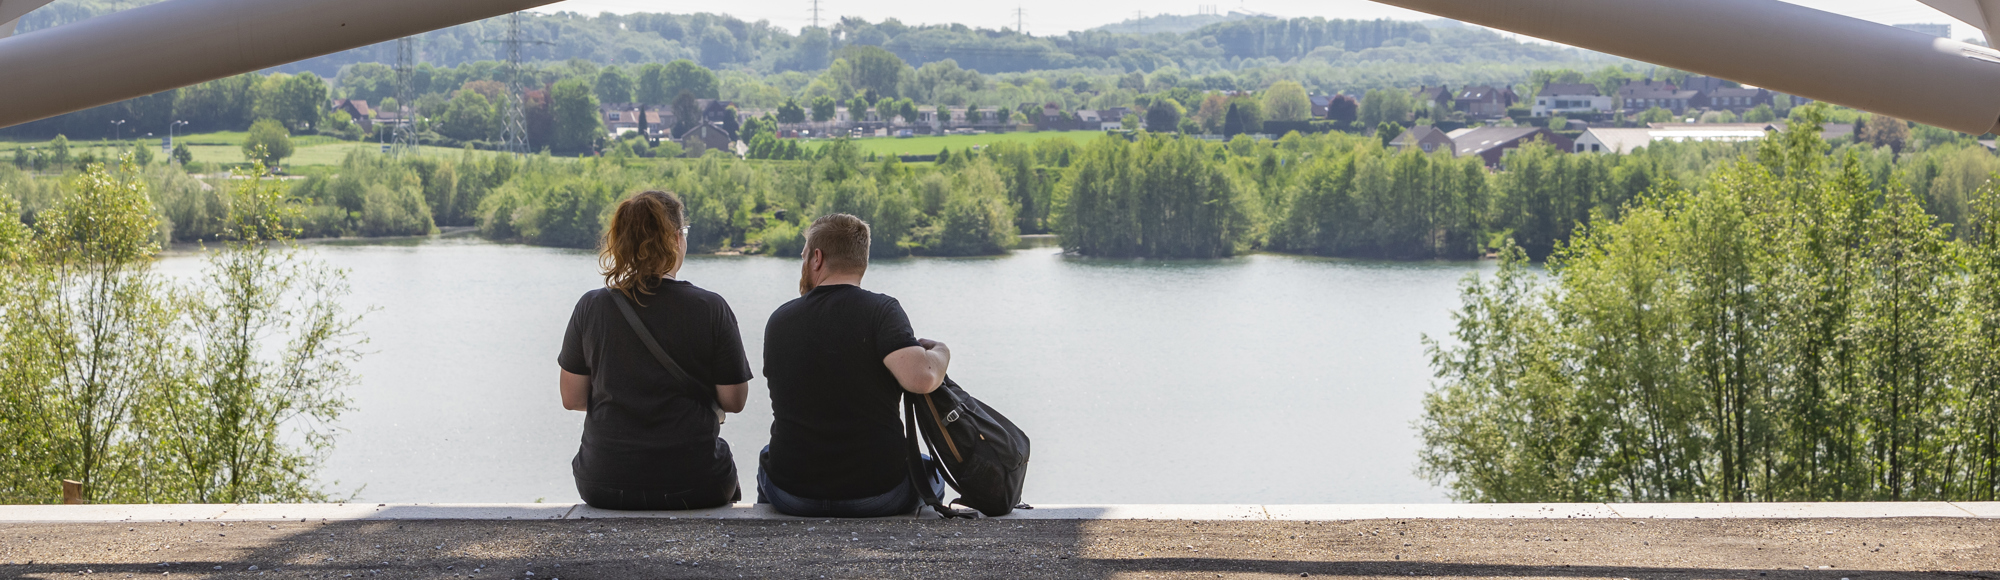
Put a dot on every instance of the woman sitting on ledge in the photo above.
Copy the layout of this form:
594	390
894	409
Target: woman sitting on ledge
651	439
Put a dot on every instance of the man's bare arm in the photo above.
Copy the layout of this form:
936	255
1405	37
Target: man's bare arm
920	369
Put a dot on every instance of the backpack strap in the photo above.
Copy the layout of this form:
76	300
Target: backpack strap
674	369
921	472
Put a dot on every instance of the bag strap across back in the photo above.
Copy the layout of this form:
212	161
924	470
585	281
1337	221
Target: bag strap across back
646	337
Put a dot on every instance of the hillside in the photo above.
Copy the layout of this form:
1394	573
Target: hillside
1210	43
1173	23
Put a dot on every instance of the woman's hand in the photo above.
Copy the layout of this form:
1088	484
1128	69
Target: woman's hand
575	391
732	397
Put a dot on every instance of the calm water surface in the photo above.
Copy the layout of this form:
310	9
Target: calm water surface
1261	379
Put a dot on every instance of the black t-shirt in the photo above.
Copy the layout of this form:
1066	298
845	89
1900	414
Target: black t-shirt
835	433
644	430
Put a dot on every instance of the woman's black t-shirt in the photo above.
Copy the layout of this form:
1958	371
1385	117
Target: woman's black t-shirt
643	430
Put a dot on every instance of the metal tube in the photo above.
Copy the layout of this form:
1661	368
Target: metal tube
153	48
1769	44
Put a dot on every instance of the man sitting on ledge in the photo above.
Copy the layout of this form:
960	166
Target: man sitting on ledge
838	360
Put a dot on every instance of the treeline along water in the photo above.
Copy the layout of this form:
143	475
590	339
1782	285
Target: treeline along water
1143	195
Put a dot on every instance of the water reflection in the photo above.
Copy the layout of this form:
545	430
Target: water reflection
1258	379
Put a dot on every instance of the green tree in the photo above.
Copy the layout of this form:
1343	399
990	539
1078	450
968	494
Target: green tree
470	117
181	154
295	100
687	114
1385	106
268	142
1789	329
577	127
872	70
684	76
1164	115
1655	115
1760	114
1885	131
253	421
791	112
857	109
1156	197
823	108
886	109
1387	133
1287	101
613	86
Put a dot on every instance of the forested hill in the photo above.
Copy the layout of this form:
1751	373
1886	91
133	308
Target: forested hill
1176	23
723	42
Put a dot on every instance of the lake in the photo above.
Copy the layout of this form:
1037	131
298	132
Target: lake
1259	379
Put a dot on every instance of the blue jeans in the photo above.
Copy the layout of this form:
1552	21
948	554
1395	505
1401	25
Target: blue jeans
899	501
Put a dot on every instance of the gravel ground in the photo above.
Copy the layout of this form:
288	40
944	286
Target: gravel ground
1127	549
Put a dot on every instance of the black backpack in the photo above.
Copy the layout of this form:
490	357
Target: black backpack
978	451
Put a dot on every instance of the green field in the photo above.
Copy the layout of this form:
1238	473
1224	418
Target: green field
327	154
226	148
222	138
931	145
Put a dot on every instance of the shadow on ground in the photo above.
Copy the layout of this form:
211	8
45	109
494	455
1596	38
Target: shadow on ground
697	547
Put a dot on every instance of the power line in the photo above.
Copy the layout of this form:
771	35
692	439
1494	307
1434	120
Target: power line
1020	17
406	96
815	11
515	134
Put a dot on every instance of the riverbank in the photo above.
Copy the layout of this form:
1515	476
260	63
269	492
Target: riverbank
1555	544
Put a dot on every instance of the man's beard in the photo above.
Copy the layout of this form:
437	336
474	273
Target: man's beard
805	276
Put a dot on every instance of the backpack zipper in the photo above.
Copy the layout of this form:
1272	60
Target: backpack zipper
941	430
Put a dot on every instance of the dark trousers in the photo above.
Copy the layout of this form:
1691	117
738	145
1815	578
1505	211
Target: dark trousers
899	501
613	498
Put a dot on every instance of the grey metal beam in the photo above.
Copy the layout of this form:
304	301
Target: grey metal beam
172	44
12	10
1770	44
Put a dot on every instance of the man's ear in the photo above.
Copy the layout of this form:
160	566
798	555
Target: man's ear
816	260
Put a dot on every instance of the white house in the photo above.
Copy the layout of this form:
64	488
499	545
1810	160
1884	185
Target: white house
1607	140
1565	98
1602	140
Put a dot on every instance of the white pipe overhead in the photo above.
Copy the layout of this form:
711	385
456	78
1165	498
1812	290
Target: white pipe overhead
145	50
1982	14
1770	44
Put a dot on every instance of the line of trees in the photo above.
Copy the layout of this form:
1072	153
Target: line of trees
1144	194
1790	329
146	388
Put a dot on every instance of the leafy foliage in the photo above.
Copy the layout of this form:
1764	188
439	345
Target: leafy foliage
146	390
1788	330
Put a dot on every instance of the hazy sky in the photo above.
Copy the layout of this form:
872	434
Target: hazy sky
1058	16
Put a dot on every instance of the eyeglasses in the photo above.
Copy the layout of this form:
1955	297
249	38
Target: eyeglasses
685	229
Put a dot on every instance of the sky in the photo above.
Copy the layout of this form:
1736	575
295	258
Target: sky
1046	17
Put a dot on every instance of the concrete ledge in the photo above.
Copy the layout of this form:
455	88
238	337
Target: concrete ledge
1442	511
19	514
1791	510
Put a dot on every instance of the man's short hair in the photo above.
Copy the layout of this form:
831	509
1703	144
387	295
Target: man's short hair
842	240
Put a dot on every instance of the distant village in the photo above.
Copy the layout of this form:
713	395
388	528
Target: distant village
1483	121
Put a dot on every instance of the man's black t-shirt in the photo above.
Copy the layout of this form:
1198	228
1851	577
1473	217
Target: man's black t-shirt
644	430
835	433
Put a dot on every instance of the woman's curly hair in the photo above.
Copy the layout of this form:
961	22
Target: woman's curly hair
643	242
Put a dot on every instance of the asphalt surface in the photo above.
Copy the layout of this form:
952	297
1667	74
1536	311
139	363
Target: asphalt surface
1125	549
